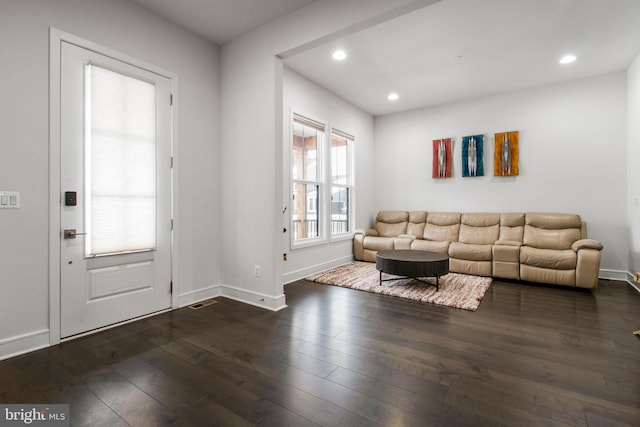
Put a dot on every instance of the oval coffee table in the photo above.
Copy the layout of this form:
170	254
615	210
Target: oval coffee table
412	264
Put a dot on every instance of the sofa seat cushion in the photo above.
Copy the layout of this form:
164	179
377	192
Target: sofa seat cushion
430	245
470	252
548	258
379	243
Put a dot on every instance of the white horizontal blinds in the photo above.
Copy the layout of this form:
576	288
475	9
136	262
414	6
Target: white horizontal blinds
120	163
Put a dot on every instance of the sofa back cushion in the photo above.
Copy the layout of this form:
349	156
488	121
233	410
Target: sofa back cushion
442	226
551	230
479	228
391	223
512	226
417	221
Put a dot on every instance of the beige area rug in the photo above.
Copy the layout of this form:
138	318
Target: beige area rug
456	290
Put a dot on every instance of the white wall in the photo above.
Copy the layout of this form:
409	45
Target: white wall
251	133
305	97
24	145
633	171
572	157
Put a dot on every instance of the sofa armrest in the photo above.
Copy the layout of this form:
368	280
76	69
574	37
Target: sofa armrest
508	243
366	232
586	244
403	241
588	253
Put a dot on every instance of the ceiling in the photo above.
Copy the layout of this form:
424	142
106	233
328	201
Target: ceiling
221	21
460	49
448	51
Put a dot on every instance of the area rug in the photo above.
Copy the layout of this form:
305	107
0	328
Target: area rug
456	290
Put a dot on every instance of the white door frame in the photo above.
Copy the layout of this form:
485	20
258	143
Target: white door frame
56	37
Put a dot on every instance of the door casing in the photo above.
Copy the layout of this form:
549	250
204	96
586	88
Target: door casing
56	37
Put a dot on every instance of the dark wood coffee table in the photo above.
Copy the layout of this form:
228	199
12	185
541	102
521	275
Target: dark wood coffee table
412	264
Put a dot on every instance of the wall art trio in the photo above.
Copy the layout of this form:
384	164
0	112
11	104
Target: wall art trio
505	155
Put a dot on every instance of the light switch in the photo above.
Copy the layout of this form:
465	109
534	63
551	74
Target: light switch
9	199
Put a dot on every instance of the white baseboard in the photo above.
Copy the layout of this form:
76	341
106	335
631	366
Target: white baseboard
198	295
241	295
613	275
257	299
630	279
623	276
20	344
317	268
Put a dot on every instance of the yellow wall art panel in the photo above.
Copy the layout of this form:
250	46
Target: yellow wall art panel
505	158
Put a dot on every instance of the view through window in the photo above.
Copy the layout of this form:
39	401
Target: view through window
322	181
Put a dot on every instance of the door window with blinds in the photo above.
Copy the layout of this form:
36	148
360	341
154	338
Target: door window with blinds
120	163
322	183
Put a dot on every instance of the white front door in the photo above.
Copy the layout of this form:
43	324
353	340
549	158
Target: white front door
115	178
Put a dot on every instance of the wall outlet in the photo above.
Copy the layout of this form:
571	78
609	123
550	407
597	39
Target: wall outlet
256	270
636	278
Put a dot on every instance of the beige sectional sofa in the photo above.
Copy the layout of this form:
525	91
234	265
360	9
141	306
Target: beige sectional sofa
538	247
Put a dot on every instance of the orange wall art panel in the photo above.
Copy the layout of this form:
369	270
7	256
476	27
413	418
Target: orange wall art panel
442	158
505	157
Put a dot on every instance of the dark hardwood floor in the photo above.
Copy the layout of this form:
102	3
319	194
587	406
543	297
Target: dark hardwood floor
530	355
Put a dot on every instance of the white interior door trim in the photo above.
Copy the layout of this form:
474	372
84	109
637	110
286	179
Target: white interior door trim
56	37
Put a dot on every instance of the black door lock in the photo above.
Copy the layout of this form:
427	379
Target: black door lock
70	198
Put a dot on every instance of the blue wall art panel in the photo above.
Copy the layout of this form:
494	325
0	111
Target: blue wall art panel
472	155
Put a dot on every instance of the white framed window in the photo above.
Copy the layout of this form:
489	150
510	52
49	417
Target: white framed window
322	183
307	176
341	149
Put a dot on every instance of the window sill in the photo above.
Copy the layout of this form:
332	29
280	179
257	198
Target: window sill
341	237
306	243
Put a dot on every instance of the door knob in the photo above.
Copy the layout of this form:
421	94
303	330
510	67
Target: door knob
71	233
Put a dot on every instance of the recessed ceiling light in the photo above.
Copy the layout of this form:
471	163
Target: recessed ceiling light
393	97
339	55
567	59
